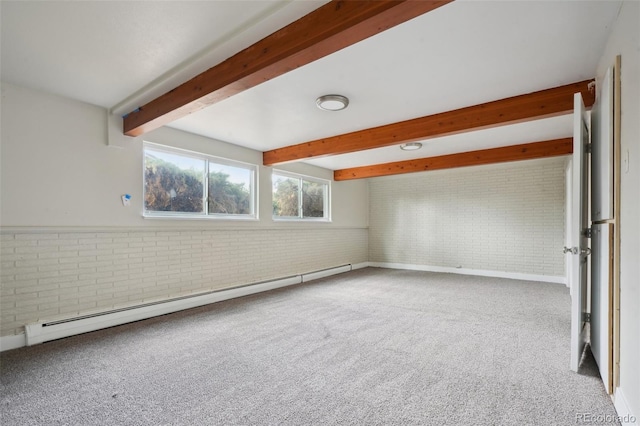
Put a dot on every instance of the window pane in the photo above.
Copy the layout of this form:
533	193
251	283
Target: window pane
173	183
313	194
229	189
285	196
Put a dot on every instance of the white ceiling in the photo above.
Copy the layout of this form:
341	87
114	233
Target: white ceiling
532	131
102	52
461	54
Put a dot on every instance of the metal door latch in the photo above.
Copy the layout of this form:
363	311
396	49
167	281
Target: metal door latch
575	250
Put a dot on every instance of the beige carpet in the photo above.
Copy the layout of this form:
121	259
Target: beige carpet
374	347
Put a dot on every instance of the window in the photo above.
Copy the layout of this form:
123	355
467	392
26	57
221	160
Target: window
181	183
300	197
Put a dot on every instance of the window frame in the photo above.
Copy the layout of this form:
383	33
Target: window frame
204	215
302	178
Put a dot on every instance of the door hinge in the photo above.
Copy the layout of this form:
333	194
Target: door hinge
588	232
588	148
586	317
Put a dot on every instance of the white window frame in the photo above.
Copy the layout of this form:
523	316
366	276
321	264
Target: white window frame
326	201
207	159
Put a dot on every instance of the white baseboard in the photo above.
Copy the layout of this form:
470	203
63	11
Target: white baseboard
478	272
44	331
359	266
626	417
12	342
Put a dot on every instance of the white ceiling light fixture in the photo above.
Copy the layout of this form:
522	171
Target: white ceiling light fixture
332	102
411	146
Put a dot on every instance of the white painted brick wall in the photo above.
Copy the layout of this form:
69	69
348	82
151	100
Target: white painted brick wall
47	276
507	217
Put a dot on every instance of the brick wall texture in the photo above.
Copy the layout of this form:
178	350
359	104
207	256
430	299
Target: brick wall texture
506	218
59	275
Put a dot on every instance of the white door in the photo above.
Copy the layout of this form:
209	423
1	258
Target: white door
578	251
602	151
602	190
601	302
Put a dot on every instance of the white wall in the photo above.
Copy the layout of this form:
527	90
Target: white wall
625	40
57	169
507	218
70	247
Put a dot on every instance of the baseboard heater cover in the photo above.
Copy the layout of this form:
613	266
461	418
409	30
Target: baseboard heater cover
45	331
316	275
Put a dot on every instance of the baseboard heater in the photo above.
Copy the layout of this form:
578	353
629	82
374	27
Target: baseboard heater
51	330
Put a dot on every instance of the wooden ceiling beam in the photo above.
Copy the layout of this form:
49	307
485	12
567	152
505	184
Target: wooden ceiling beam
326	30
529	151
536	105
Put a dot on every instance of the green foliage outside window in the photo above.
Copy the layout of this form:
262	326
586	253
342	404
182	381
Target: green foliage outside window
298	198
285	196
176	184
312	199
226	197
169	188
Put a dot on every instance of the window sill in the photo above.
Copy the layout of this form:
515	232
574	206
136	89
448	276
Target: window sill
203	217
298	220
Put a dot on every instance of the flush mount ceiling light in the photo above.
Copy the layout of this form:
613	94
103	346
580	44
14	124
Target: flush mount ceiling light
412	146
332	102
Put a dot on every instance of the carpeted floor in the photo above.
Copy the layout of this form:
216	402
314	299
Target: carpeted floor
370	347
